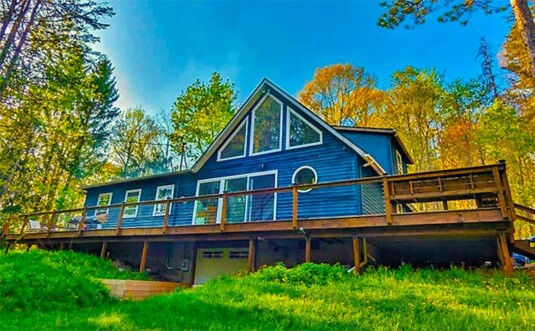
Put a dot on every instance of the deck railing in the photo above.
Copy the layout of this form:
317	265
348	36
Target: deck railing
466	188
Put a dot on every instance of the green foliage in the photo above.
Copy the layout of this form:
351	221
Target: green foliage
380	299
305	274
51	281
200	113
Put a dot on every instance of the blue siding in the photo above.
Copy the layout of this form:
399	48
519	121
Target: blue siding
378	145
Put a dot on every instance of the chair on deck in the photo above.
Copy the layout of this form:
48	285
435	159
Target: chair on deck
74	223
35	226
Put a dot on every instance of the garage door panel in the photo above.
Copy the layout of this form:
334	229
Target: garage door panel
214	262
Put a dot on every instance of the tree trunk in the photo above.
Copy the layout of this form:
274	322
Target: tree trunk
526	26
13	32
7	19
22	41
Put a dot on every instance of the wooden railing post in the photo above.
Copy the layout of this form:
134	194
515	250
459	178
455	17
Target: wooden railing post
295	201
81	225
388	204
223	212
120	220
166	216
499	188
24	224
51	223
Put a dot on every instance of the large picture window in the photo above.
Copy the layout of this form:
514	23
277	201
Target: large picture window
241	208
131	196
235	147
163	193
104	199
300	132
267	122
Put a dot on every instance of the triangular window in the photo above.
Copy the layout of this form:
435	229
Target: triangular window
235	147
300	132
267	126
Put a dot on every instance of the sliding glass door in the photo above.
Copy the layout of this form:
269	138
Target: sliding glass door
243	208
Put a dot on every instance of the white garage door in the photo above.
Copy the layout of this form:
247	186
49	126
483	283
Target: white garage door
213	262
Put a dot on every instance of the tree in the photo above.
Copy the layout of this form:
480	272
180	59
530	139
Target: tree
342	94
135	144
414	109
30	26
200	113
397	11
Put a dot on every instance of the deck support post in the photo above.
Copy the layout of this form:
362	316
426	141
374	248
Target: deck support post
504	255
251	258
104	249
308	247
356	254
28	247
61	246
144	253
8	246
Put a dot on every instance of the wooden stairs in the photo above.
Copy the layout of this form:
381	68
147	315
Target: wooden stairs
525	247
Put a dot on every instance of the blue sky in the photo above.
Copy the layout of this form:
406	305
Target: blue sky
160	47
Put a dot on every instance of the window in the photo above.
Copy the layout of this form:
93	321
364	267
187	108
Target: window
212	254
163	193
240	208
300	133
131	196
238	254
104	199
267	131
305	175
235	146
399	163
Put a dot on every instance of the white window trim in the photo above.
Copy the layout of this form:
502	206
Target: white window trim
221	188
294	113
245	122
251	138
154	211
137	207
102	207
301	168
399	163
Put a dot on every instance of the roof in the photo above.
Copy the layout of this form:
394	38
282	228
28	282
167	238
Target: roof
388	131
129	180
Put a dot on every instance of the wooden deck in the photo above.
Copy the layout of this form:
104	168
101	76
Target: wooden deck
451	205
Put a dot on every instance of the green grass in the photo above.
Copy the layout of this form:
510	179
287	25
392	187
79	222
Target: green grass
312	297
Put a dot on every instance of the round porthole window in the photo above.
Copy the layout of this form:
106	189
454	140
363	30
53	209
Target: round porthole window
305	175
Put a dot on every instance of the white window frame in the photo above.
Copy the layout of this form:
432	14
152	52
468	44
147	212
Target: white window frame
136	207
222	187
102	207
292	112
245	122
301	168
154	210
399	163
251	136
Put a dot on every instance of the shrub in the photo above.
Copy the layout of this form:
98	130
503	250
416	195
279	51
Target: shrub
48	281
305	274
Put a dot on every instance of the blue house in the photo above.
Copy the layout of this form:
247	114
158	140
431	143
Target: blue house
272	141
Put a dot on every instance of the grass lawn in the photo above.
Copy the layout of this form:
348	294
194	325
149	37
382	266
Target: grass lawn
307	297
